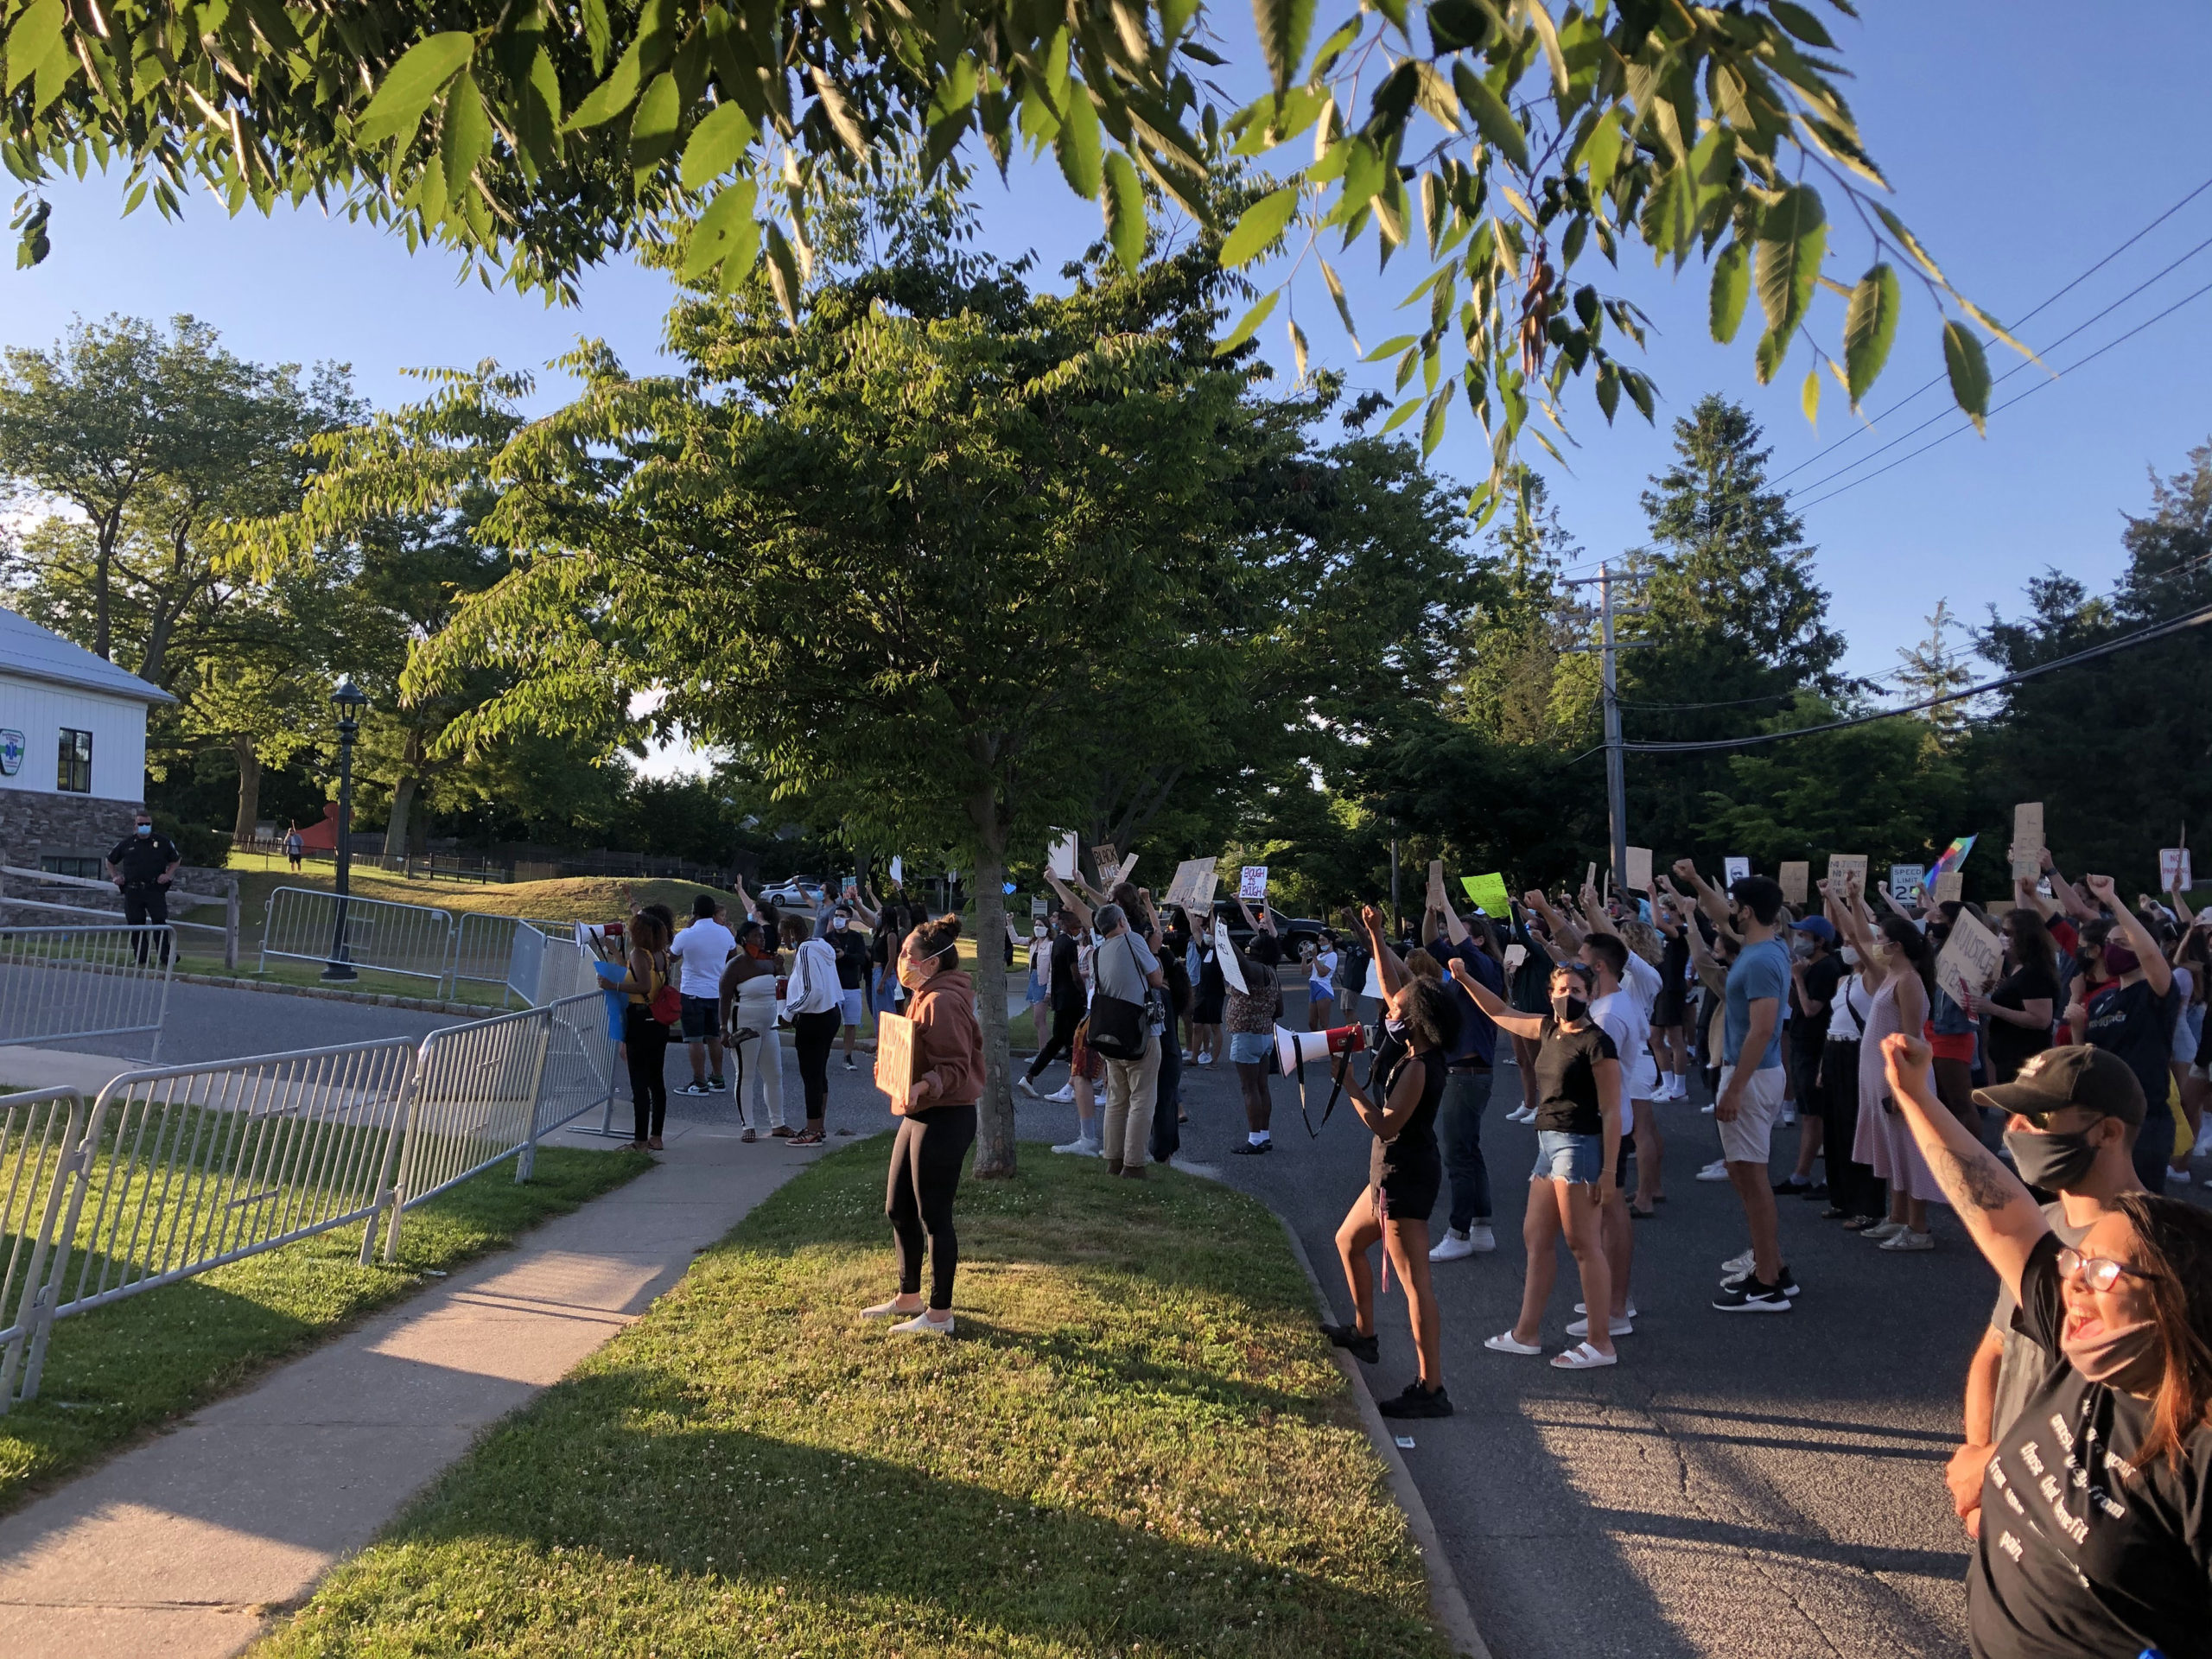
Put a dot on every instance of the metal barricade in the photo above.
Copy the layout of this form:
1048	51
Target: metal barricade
412	940
183	1168
41	1134
579	1072
91	981
475	1098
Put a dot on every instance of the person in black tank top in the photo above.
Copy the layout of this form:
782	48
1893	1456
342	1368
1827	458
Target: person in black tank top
1398	1103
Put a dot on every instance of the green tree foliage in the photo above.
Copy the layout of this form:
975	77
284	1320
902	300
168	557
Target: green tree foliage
1508	137
2116	749
1936	668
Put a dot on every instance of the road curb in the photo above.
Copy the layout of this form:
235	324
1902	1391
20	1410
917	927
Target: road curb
370	999
1445	1600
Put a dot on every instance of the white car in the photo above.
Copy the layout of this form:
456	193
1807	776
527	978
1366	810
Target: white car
795	891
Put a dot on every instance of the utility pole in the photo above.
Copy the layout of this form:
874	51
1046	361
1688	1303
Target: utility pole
1608	647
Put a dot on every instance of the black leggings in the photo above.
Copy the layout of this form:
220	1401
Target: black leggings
1852	1186
646	1042
1064	1020
815	1034
925	1175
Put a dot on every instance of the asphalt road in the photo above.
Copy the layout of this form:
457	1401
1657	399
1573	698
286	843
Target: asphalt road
212	1022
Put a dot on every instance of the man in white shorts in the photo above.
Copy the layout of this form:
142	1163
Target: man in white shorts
1751	1093
1620	1014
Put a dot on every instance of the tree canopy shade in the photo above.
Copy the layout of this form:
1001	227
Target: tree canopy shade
1507	137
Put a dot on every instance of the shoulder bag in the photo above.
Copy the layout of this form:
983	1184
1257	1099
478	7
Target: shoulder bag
1120	1029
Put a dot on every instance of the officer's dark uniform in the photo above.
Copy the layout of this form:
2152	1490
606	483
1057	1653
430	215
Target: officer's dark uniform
140	859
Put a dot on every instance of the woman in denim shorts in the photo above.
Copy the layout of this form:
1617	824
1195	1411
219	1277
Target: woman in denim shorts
1578	1142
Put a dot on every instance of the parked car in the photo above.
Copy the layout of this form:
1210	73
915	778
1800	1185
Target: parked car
795	891
1294	931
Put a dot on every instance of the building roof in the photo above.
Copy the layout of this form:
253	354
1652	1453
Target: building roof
39	653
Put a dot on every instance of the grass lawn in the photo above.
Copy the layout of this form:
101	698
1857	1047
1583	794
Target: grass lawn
122	1369
1138	1445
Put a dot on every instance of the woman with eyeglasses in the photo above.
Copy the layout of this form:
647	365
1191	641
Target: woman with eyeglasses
2095	1531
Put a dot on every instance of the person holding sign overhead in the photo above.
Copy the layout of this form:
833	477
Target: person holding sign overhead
937	1127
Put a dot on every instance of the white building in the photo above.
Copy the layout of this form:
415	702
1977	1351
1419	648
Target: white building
73	749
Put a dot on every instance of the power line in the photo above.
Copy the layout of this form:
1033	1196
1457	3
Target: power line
1945	414
2008	403
1857	432
2142	635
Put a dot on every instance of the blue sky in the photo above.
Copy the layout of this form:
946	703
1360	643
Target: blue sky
2025	141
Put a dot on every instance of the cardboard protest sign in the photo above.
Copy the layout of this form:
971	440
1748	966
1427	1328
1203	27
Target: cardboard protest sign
895	1058
1796	879
2174	873
1590	875
1252	882
2027	840
1842	867
1638	877
1108	859
1733	870
1950	887
1905	881
1489	893
1971	958
1225	954
1128	863
1192	887
1436	899
1061	863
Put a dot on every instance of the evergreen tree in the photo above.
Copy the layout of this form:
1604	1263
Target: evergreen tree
1933	668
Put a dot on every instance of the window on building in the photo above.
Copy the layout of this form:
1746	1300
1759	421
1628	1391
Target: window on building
76	772
54	865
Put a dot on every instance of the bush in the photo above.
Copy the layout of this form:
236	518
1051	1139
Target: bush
208	849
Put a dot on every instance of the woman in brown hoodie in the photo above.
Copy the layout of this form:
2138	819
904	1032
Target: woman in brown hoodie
938	1126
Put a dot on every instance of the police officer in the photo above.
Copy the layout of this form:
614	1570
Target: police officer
142	866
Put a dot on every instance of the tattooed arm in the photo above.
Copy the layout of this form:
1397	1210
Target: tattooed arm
1998	1215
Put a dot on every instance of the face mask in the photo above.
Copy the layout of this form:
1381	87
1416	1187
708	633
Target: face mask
1396	1027
910	974
1569	1010
1850	956
2118	960
142	829
2053	1162
2113	1352
836	923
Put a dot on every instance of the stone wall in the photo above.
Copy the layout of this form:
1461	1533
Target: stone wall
34	823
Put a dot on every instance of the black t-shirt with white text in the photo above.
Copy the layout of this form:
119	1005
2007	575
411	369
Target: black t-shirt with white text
1566	1078
2136	1023
2083	1550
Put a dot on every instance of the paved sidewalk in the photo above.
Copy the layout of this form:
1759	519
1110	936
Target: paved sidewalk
189	1545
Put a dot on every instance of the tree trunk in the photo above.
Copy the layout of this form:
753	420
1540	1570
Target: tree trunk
103	565
994	1111
403	798
249	788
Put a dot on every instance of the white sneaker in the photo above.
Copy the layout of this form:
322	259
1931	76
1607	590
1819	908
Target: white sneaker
2176	1177
1480	1239
1453	1247
1789	1116
1205	1059
1715	1171
1522	1115
1028	1088
1623	1325
1736	1264
1064	1094
1707	1108
922	1325
1882	1231
1079	1147
1905	1239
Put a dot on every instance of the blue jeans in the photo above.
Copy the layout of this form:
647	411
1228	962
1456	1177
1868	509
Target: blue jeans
1459	1133
1167	1133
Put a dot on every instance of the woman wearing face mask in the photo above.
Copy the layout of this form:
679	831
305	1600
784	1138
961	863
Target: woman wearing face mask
2123	1003
2094	1531
1855	1193
2019	1011
936	1126
1398	1103
1896	962
749	1016
1578	1143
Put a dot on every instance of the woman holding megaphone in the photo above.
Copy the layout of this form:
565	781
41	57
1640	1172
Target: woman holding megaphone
1398	1103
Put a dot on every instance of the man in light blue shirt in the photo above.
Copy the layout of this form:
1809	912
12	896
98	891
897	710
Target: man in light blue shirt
1751	1094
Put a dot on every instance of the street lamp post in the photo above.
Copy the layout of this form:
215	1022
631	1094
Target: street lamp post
350	701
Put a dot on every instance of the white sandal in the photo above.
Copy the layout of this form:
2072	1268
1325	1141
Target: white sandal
1505	1343
1583	1357
922	1325
890	1310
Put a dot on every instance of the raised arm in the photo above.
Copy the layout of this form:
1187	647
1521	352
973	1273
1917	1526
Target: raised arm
2157	972
1454	928
2069	899
1395	1111
1503	1014
1710	899
1562	929
1998	1215
1074	907
1389	967
1593	913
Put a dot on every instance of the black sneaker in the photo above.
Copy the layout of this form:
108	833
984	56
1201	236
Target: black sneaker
1347	1337
716	1086
1247	1149
1417	1402
1750	1296
1789	1285
1817	1190
694	1089
1791	1184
